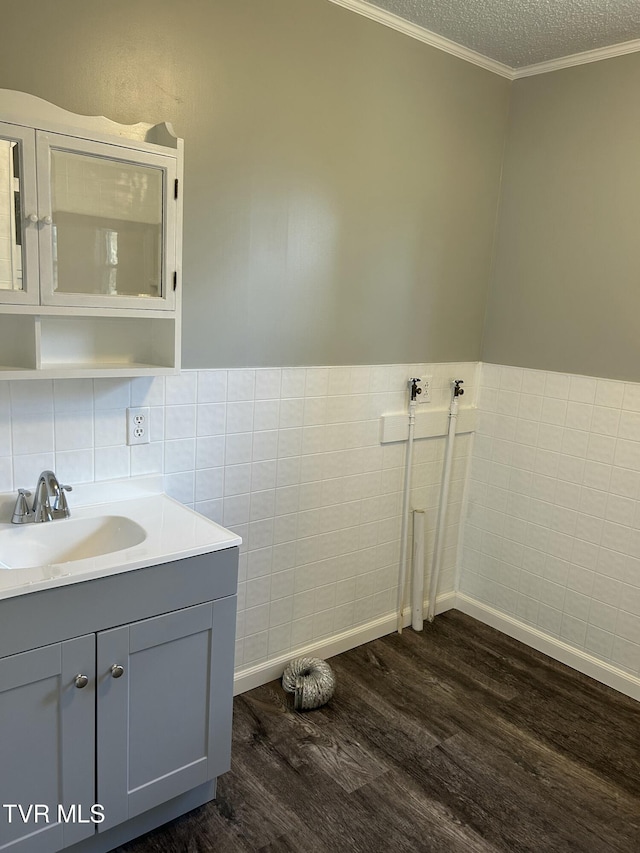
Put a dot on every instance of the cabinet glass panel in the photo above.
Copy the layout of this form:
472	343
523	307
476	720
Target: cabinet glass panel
11	230
107	226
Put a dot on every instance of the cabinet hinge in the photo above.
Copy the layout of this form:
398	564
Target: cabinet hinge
175	189
175	280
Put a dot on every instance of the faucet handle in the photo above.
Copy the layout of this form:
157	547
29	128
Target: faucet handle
61	504
21	511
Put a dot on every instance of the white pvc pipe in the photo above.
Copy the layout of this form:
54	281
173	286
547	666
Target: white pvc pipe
442	508
406	500
417	580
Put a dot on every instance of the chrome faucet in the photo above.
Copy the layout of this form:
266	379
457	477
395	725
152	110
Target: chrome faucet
50	501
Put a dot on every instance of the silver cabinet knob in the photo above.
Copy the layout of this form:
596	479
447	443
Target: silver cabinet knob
33	217
81	681
117	670
47	220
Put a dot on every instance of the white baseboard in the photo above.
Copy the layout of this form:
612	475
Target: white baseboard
575	658
253	676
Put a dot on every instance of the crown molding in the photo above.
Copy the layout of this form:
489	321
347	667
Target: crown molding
388	19
583	58
374	13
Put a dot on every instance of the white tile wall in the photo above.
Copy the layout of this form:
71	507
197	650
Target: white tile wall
289	458
552	536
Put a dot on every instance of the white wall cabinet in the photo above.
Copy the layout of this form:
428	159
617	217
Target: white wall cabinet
90	244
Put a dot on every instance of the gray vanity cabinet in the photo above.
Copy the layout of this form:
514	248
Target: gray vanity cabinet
164	724
116	693
47	745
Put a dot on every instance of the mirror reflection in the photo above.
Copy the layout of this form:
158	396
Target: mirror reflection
107	226
10	216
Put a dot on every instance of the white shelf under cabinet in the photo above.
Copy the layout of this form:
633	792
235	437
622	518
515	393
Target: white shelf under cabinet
58	346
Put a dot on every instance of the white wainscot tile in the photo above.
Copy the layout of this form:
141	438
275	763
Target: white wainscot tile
628	627
111	393
147	391
265	445
289	442
73	395
279	639
180	422
239	417
109	426
74	430
181	389
111	463
6	474
557	385
282	584
626	654
210	451
263	475
631	398
266	414
262	504
27	469
238	448
211	418
582	389
212	386
237	480
609	393
605	421
147	458
241	384
578	416
259	563
601	448
180	486
599	642
74	466
236	510
627	454
209	484
317	382
32	396
291	413
258	591
211	509
32	433
179	455
267	383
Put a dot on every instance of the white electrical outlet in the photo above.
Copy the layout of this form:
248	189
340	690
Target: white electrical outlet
425	397
138	425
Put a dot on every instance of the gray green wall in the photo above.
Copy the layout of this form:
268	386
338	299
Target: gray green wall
565	294
341	179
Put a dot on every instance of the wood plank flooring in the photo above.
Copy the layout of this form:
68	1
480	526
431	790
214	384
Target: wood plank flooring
456	740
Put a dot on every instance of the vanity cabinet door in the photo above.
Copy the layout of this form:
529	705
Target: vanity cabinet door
109	214
165	688
47	736
19	217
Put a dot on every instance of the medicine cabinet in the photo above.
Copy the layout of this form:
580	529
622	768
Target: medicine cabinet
90	244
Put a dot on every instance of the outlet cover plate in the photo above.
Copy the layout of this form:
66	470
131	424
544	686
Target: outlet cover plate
138	425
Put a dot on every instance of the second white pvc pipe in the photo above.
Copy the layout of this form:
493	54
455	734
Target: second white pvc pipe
442	508
417	580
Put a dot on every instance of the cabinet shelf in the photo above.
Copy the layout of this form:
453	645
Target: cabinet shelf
60	346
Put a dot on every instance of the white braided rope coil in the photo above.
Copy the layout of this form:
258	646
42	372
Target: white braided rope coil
311	680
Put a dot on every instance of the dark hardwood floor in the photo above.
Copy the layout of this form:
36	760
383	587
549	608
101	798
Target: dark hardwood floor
457	739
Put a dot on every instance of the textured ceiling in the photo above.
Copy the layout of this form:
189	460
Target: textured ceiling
524	32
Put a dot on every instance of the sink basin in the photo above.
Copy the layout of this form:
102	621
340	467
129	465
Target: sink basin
66	540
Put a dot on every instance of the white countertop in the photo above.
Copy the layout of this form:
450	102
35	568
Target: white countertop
173	532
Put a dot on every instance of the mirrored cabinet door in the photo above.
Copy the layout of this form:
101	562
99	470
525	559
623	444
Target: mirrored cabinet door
108	237
19	220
